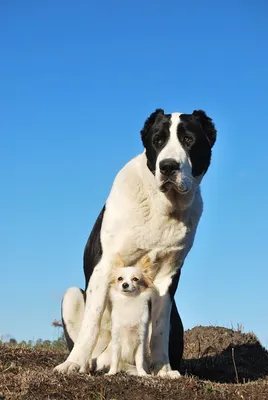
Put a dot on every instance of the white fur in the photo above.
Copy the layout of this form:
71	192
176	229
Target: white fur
173	149
139	220
73	307
130	322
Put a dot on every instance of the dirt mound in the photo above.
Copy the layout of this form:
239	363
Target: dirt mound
26	374
224	355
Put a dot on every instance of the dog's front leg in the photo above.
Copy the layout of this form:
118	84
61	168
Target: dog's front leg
141	349
116	347
161	309
79	358
140	360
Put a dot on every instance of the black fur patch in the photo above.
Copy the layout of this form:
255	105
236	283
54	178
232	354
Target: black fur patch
176	328
155	135
174	284
197	135
93	249
176	336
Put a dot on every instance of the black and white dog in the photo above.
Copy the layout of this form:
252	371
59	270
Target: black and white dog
153	208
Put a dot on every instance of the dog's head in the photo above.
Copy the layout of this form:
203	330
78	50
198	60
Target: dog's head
131	280
178	148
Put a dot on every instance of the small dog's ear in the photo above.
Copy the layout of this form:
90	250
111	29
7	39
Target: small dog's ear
207	125
148	125
145	262
148	282
118	262
146	266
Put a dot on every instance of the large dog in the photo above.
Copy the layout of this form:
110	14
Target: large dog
153	208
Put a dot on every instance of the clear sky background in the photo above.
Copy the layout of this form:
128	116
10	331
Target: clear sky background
77	81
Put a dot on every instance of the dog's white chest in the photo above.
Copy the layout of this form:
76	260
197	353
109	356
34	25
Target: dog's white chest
161	231
165	239
138	220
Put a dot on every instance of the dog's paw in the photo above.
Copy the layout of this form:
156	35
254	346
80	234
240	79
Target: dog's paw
110	373
143	373
172	374
163	370
69	367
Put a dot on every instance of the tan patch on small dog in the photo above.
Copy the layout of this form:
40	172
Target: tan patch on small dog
118	262
148	268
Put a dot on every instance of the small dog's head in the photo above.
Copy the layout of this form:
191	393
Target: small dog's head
131	280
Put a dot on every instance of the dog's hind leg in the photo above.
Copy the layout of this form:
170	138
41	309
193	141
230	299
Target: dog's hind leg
72	312
103	361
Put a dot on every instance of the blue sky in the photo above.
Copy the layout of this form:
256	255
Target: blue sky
77	81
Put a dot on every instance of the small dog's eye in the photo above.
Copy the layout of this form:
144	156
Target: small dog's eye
135	279
120	278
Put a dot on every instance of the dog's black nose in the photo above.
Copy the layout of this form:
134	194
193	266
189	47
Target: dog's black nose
125	285
169	166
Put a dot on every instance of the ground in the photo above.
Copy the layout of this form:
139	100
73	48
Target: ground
218	363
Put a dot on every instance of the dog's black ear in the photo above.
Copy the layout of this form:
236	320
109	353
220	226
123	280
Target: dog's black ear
207	125
149	123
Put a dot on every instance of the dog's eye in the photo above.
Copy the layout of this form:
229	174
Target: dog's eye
135	279
158	140
120	278
188	140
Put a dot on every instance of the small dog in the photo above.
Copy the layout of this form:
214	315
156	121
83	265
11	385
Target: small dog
130	294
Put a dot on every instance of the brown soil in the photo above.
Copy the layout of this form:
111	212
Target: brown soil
209	367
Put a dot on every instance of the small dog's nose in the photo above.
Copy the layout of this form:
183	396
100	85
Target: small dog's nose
125	285
169	166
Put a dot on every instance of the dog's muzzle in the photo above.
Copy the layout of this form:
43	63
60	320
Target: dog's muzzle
170	171
169	167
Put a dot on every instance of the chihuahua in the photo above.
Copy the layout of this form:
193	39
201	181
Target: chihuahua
130	295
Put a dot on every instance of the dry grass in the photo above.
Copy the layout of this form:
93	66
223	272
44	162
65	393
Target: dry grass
209	369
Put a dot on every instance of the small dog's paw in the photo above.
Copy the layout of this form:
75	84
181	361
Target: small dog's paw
163	370
68	367
169	374
143	373
110	373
